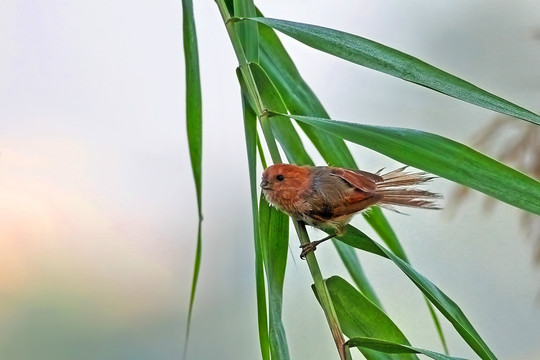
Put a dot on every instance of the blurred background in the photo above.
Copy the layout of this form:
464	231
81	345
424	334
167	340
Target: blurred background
97	203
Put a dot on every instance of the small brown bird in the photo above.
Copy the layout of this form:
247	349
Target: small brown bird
328	197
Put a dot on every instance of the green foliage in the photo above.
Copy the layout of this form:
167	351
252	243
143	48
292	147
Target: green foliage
194	132
274	235
274	93
250	130
382	58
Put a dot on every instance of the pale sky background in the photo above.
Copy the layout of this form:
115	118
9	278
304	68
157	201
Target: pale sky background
97	203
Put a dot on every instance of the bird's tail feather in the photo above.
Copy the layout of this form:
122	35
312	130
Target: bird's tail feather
398	187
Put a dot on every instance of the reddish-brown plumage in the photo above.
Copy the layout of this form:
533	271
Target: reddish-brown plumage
287	195
328	197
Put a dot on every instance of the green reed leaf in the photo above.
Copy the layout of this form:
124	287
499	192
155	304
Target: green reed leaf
382	58
274	235
250	130
194	134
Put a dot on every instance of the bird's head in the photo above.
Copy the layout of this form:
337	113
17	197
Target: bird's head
284	180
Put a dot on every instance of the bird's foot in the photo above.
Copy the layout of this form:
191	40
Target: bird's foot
307	248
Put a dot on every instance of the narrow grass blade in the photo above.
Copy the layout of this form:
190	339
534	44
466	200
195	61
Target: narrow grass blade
250	130
193	97
437	323
382	58
390	347
196	268
358	316
442	157
271	239
446	306
194	133
274	235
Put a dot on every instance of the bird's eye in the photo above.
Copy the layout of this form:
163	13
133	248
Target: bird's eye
280	177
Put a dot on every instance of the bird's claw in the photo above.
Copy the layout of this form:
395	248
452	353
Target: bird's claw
306	249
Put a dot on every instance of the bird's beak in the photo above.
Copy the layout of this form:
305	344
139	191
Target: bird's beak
265	184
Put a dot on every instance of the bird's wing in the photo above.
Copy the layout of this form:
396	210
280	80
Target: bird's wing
361	180
357	204
362	195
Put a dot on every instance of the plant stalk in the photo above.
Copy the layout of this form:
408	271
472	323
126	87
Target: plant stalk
323	294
